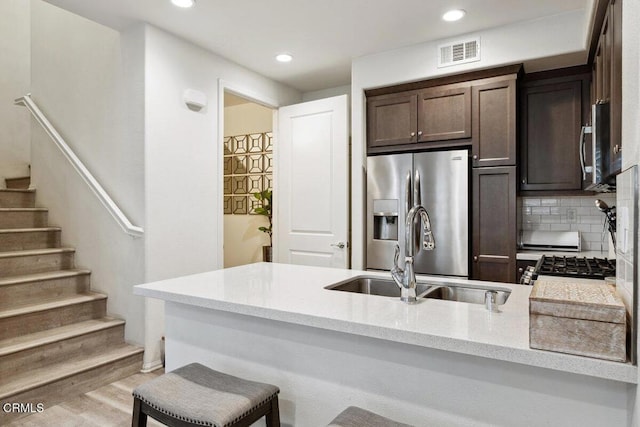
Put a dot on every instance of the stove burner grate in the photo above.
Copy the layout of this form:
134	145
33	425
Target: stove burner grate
571	266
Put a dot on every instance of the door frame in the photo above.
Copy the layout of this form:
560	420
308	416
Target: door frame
258	98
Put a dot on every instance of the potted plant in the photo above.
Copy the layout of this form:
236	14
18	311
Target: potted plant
265	199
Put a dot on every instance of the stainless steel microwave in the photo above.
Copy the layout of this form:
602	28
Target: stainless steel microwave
600	169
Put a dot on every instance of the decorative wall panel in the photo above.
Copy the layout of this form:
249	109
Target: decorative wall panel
248	168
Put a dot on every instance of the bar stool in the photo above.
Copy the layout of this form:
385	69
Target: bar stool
195	395
358	417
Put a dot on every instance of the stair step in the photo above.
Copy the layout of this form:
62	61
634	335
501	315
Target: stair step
70	342
18	291
13	198
18	239
53	384
21	182
23	217
49	314
15	263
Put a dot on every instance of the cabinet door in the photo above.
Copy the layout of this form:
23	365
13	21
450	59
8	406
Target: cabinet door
615	21
494	224
494	124
444	114
392	119
550	132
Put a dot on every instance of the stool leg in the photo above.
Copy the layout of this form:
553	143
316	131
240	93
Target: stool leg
139	418
273	416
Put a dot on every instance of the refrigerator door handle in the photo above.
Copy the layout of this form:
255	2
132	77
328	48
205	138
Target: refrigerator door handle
417	200
407	194
417	196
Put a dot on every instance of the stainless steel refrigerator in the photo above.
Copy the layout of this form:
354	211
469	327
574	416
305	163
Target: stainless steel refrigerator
440	181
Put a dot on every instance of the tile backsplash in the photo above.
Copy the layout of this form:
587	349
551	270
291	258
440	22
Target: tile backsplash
568	214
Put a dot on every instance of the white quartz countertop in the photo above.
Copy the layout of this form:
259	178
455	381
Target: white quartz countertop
536	255
296	294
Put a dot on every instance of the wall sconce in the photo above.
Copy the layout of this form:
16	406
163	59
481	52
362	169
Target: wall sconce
194	99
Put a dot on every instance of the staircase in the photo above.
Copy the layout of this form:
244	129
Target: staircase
55	338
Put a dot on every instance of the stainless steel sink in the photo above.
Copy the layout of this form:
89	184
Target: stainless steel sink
470	295
374	286
491	297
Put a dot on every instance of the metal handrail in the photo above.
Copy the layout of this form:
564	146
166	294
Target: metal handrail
82	170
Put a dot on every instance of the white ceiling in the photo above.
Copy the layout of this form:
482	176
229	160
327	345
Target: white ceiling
323	36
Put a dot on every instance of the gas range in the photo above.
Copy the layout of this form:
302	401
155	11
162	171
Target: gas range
573	266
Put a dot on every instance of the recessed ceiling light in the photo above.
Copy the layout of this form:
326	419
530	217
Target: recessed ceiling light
453	15
284	57
183	3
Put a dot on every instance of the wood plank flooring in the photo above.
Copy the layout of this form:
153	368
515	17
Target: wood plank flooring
110	405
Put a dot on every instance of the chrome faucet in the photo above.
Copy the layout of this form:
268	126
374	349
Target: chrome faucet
406	278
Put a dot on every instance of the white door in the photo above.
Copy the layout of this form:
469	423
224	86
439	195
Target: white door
311	198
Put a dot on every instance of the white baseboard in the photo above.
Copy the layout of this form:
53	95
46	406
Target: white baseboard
151	366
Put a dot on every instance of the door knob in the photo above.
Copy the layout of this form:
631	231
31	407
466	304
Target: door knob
339	245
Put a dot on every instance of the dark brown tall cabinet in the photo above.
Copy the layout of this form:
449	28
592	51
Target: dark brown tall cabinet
477	111
494	157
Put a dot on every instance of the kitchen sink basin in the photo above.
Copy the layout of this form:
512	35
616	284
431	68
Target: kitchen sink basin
489	296
464	294
374	286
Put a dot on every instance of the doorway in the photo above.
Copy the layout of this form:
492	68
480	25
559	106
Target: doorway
247	170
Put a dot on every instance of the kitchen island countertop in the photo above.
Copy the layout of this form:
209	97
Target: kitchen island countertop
296	295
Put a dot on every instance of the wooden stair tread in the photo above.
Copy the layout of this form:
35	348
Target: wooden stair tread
32	379
23	210
47	275
36	339
17	190
28	230
52	304
32	252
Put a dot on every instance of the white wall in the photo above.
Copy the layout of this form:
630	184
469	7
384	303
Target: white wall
15	74
183	158
526	41
326	93
242	240
79	80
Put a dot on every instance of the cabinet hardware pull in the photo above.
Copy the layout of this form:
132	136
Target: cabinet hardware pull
419	132
617	149
475	258
475	157
339	245
413	134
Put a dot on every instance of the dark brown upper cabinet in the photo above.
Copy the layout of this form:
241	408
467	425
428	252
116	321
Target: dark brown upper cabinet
607	73
392	119
494	124
553	110
476	108
444	113
615	19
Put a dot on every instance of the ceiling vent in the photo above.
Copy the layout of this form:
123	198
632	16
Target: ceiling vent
459	52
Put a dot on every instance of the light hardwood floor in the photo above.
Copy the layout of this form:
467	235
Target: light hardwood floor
107	406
